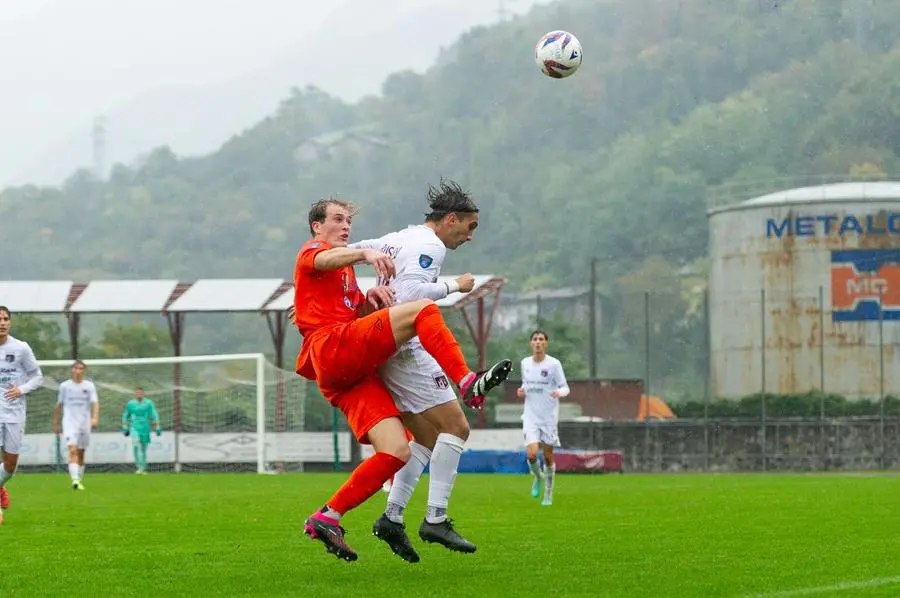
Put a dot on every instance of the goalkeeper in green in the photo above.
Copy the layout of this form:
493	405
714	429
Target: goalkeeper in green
139	415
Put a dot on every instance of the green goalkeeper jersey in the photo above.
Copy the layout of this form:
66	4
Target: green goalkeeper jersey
139	415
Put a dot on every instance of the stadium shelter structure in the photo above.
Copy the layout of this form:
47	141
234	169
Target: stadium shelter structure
173	299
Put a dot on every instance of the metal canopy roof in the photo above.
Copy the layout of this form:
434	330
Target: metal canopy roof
116	296
482	282
227	294
205	295
37	296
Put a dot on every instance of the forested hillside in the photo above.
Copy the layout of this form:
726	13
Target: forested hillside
676	102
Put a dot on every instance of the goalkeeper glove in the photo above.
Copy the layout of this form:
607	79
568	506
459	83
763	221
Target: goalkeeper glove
126	431
158	432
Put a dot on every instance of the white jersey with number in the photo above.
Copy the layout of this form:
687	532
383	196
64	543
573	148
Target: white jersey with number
77	400
18	367
413	376
539	378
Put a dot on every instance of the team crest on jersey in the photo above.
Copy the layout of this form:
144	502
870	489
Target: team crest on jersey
545	373
10	358
425	260
440	380
348	303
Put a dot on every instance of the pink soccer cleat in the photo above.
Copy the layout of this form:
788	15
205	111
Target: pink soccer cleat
330	533
476	385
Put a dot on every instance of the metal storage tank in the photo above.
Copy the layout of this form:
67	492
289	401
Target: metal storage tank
772	257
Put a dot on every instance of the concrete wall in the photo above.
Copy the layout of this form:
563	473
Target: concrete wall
780	445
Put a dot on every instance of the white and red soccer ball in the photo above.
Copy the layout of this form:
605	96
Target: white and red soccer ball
558	54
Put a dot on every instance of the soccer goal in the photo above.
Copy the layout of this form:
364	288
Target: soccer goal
218	413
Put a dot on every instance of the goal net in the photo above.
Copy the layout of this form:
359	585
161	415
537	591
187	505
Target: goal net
218	413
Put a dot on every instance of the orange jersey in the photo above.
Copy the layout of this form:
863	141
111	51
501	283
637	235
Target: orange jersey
322	298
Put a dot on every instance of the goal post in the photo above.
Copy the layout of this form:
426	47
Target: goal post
231	412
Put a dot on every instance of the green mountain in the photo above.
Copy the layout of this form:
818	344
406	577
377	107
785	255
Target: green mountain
677	103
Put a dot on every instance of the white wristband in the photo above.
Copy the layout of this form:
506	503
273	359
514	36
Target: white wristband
452	286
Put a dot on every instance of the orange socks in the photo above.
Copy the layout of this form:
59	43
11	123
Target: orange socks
437	339
365	481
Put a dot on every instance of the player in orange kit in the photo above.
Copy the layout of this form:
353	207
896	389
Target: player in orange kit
346	337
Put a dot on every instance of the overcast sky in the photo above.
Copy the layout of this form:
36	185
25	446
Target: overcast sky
64	61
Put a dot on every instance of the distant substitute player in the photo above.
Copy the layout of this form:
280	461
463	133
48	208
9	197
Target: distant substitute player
419	385
19	375
80	405
346	337
543	384
139	417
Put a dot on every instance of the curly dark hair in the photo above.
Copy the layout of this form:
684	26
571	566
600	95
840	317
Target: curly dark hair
448	198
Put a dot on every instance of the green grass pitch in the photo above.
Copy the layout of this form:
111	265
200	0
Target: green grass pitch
630	535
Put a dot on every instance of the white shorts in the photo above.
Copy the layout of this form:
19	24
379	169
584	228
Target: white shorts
541	433
80	439
416	381
11	437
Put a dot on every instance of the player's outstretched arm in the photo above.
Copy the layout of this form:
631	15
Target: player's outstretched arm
338	257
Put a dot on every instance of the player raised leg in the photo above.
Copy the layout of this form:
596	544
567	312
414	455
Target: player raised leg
345	343
423	319
21	375
419	386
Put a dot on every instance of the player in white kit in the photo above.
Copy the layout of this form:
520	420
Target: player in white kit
420	388
80	405
543	384
19	375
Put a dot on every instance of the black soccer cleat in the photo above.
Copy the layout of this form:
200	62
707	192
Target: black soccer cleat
394	535
473	391
443	533
331	535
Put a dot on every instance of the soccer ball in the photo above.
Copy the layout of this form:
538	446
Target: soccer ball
558	54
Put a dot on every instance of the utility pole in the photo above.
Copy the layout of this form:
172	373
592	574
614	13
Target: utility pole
592	311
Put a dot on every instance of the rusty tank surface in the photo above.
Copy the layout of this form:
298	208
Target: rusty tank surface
804	292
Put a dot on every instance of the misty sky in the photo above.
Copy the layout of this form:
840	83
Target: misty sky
64	61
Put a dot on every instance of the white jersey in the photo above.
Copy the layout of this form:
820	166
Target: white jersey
418	255
18	367
539	378
77	400
413	376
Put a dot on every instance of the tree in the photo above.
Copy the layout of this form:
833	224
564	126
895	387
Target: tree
43	335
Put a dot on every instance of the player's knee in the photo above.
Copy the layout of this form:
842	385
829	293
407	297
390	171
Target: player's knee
459	427
412	309
401	450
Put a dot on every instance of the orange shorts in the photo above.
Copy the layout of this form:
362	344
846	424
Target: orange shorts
346	358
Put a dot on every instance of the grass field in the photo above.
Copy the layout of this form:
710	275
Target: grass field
632	535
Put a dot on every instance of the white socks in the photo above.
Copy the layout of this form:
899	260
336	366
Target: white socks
549	474
444	463
405	481
535	469
5	475
76	472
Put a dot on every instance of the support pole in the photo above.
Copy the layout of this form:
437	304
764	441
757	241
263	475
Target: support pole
176	332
